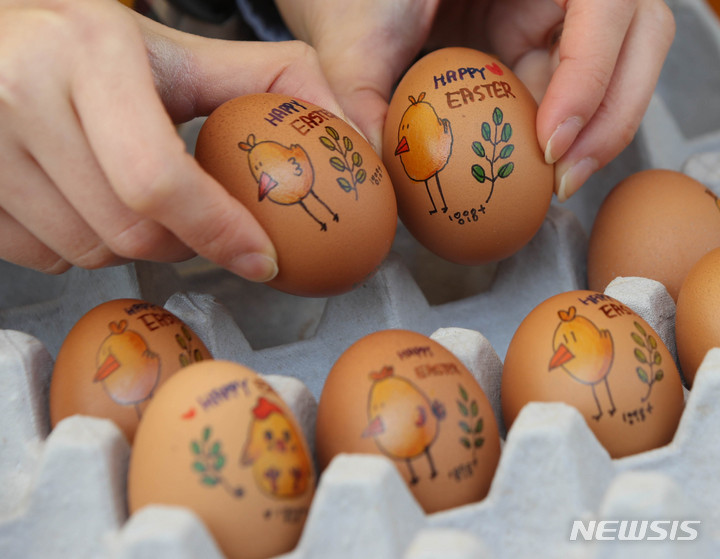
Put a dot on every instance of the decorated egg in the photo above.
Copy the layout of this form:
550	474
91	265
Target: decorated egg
115	357
654	224
592	352
219	440
402	395
697	324
461	148
311	180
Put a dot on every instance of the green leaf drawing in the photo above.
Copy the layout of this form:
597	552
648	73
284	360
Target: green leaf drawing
195	447
465	442
208	480
497	116
640	329
640	356
199	466
463	392
332	132
506	151
327	142
348	143
465	427
360	176
337	163
479	426
638	339
657	359
659	375
642	374
357	159
474	408
463	408
505	170
479	442
485	131
652	341
478	148
184	361
197	354
181	341
344	184
479	173
506	132
206	434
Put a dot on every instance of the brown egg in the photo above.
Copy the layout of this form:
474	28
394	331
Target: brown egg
403	395
697	321
592	352
461	148
654	224
314	184
218	440
115	357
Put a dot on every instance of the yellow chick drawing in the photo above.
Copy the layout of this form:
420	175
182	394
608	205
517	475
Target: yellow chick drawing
402	419
424	144
285	175
584	352
280	465
128	369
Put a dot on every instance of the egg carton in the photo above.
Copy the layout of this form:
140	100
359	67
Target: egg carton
62	492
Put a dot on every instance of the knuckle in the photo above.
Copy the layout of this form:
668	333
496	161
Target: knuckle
97	255
150	187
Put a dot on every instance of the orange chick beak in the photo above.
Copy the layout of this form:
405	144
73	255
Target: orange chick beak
108	367
267	183
402	146
562	355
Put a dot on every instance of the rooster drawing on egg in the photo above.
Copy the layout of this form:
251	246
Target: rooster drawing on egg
285	175
424	145
402	419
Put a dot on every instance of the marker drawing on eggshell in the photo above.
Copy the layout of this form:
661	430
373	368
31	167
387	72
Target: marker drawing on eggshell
128	370
346	162
209	461
495	140
402	419
585	352
648	356
425	144
274	451
285	175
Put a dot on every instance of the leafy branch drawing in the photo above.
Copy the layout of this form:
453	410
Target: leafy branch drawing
478	171
472	426
652	359
209	461
348	161
185	341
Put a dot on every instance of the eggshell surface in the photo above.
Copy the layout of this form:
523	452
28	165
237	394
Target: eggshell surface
654	224
314	184
697	321
115	357
461	148
402	395
590	351
219	440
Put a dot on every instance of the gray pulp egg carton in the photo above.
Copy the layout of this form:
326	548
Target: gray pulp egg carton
62	492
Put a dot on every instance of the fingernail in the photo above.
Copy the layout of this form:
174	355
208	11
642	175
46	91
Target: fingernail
255	266
562	139
572	179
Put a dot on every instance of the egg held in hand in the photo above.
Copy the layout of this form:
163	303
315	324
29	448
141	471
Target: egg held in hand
313	183
461	148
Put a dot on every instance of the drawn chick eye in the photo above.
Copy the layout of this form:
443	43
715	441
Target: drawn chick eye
268	435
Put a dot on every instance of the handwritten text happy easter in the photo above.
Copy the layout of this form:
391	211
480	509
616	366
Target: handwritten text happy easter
457	97
300	117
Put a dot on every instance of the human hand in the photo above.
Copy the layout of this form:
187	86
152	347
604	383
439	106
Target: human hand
593	81
92	170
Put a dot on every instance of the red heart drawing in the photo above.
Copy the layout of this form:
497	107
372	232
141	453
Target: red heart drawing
494	68
188	414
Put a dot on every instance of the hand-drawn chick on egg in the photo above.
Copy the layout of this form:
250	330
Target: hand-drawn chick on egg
280	465
128	369
285	175
584	352
402	419
424	144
